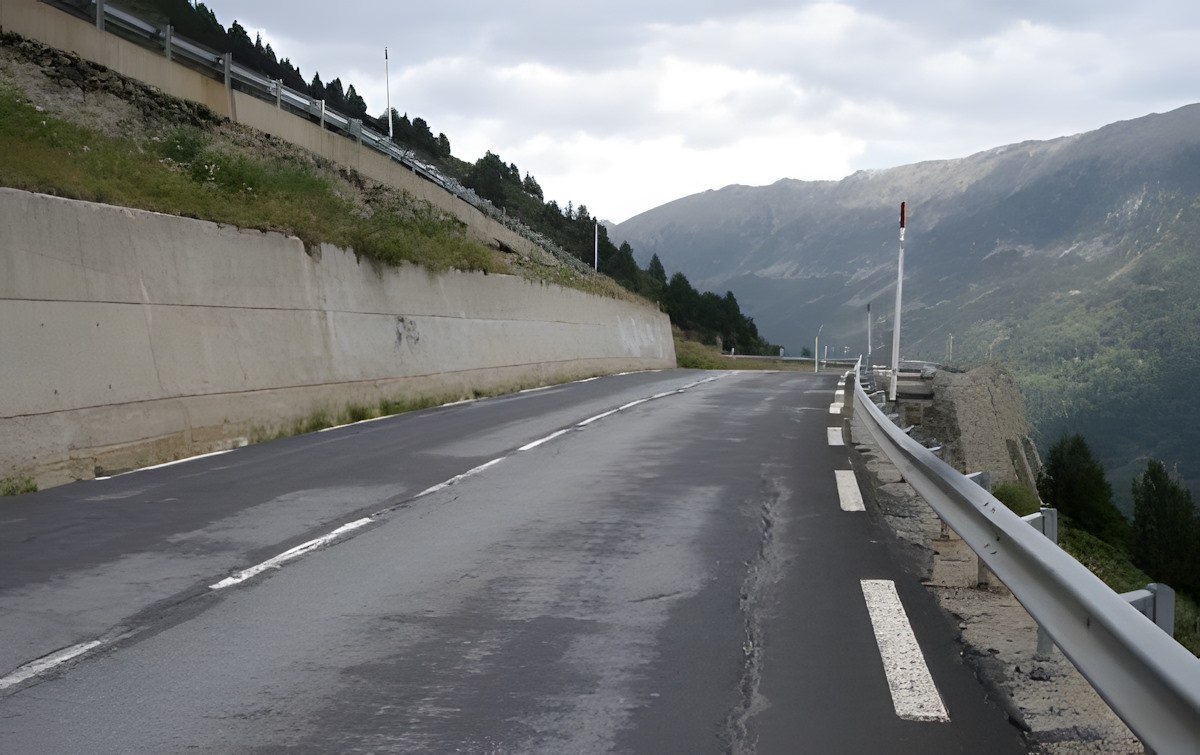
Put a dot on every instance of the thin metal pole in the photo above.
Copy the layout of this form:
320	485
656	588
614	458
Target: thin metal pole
817	348
868	337
896	323
388	85
597	246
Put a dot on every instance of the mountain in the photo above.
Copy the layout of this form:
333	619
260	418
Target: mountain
1075	262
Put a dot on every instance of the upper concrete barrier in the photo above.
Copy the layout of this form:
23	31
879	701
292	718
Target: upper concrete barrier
132	337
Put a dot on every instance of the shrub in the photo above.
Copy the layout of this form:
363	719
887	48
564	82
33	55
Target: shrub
1019	498
17	485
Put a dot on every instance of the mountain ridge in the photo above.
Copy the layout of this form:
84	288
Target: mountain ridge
1057	256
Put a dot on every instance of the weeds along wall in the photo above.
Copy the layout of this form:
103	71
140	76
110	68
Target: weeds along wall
60	30
130	337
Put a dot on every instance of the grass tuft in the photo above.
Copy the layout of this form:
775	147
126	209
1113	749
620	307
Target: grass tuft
17	486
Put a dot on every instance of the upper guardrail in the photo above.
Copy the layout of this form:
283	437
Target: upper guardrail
1148	679
221	66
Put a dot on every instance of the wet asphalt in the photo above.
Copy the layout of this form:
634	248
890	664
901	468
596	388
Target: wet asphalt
677	576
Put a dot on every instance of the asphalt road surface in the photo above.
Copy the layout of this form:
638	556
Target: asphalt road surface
647	563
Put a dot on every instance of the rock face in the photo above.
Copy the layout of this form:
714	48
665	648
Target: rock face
979	419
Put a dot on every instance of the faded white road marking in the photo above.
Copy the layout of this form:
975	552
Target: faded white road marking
835	436
540	441
42	665
835	408
311	545
914	695
288	555
241	442
590	420
848	492
459	478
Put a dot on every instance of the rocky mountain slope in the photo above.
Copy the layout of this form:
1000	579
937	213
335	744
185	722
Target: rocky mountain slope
1073	261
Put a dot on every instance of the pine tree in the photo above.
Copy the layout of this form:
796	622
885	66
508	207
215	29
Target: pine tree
1073	482
1165	529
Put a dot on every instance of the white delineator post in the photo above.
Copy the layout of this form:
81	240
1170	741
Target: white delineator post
597	265
868	337
817	349
387	85
896	324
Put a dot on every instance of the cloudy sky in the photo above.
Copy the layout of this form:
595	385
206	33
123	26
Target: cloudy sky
627	105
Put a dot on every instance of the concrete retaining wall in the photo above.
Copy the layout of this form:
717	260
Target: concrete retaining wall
130	337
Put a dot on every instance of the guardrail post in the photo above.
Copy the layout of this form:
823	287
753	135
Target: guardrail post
100	15
1045	522
1157	603
168	33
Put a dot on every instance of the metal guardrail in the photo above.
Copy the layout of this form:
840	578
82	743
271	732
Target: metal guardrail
222	67
1148	679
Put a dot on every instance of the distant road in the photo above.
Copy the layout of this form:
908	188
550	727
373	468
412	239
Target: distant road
649	563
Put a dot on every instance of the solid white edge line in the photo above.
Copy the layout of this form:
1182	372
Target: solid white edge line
590	420
380	418
459	478
834	436
242	444
540	441
914	694
632	404
848	492
289	554
42	665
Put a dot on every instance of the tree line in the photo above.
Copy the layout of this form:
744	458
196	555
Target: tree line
705	316
199	24
1164	537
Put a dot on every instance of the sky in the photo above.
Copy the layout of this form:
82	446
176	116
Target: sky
630	104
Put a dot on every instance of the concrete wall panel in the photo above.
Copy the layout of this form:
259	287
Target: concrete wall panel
131	337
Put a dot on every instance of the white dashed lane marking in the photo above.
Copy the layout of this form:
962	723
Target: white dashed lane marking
835	436
42	665
914	695
848	492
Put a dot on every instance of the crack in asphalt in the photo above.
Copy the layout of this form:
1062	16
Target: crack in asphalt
762	573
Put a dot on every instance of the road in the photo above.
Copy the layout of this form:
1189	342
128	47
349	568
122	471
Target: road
647	563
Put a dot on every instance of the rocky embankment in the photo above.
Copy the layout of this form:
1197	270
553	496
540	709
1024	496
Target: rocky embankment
978	418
